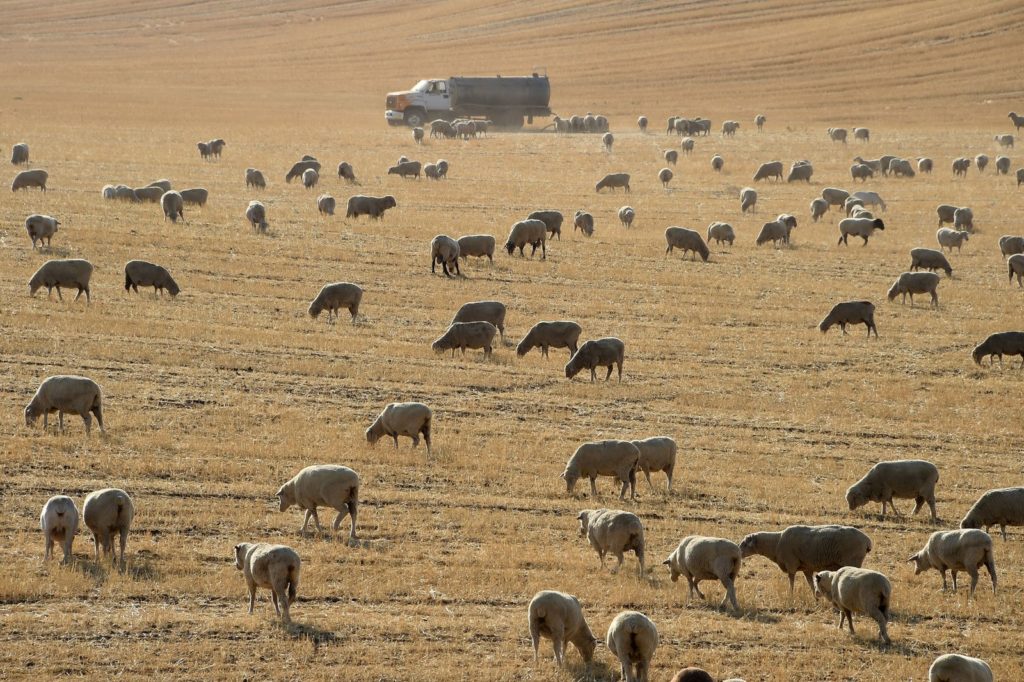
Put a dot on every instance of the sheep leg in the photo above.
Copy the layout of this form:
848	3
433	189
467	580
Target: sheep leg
415	440
58	293
880	619
849	619
395	435
647	475
609	374
87	418
96	546
60	420
954	572
273	598
696	588
316	520
810	582
305	522
625	486
593	374
618	555
49	547
79	294
730	593
1002	526
918	503
593	486
98	411
68	540
973	572
252	596
124	541
892	506
865	241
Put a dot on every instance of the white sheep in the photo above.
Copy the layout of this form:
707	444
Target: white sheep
1003	165
59	522
872	199
195	196
560	334
770	169
1004	141
1009	245
633	638
276	567
960	166
807	549
859	227
142	273
904	479
957	668
686	144
402	419
671	156
1003	506
347	173
925	165
776	231
614	532
717	163
552	220
759	121
483	311
981	161
819	207
531	231
998	345
748	200
323	485
915	283
850	312
106	512
19	154
66	393
41	228
57	273
721	232
626	216
612	181
559	617
700	558
463	335
1020	177
657	454
851	205
963	219
477	245
607	352
607	140
729	128
615	458
254	178
584	221
444	250
310	178
151	194
641	123
948	238
835	196
36	177
374	207
957	550
688	240
862	134
837	134
930	259
857	590
800	170
333	297
325	204
173	206
665	176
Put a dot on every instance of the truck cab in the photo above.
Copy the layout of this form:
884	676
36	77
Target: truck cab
427	100
506	102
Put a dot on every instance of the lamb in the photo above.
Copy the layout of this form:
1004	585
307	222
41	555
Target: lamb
106	512
957	550
561	334
1003	165
62	273
641	123
309	178
41	228
142	273
717	162
372	206
402	419
998	345
835	196
325	204
1004	140
1015	265
530	231
963	219
915	283
463	335
981	161
607	140
1018	121
483	311
584	221
671	156
687	145
275	567
665	176
334	297
325	485
66	393
1009	245
31	178
700	558
931	260
347	173
633	638
19	154
687	240
776	231
59	522
613	532
616	458
862	134
196	196
858	590
173	206
559	617
626	216
859	227
256	214
837	134
301	167
417	135
721	232
613	180
859	171
800	170
657	454
957	668
807	549
850	312
444	250
478	245
871	199
772	169
1003	506
819	207
925	165
909	478
552	219
748	200
759	121
254	178
948	238
960	166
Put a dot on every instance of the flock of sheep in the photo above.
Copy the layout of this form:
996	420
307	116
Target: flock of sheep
830	557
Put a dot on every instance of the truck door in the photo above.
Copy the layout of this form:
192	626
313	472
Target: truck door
437	96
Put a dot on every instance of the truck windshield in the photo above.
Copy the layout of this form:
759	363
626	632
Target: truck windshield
422	86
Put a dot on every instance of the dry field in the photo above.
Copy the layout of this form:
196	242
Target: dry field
215	398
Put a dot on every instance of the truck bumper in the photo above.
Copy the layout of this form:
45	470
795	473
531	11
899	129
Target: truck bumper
394	118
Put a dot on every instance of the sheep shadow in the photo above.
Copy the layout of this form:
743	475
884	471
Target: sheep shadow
596	671
59	251
310	633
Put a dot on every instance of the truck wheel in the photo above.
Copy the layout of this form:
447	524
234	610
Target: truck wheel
415	118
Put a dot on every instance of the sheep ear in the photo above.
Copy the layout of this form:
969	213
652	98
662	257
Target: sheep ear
665	562
561	475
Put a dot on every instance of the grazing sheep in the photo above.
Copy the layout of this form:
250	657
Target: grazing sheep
948	238
931	260
957	550
729	128
862	134
945	213
613	180
837	134
748	200
204	149
626	215
442	169
584	221
552	219
141	273
1018	121
872	199
254	179
687	145
613	532
123	193
41	228
860	171
700	558
981	161
402	419
483	311
835	196
217	146
372	206
463	335
915	283
657	454
530	231
998	345
851	205
721	232
800	170
807	549
62	273
641	123
324	485
857	590
759	121
334	297
1004	140
417	135
1003	506
173	206
430	171
772	169
275	567
478	245
19	154
957	668
1015	265
850	312
665	176
309	178
30	178
861	212
960	166
346	173
325	204
819	207
963	219
1003	165
633	638
66	393
607	140
559	617
1020	177
165	185
196	196
687	240
904	479
561	334
406	169
859	227
444	250
59	522
440	128
717	162
671	156
106	512
256	214
301	167
777	230
615	458
151	194
1009	245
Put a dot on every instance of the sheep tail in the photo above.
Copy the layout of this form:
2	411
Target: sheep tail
293	583
990	564
127	282
883	604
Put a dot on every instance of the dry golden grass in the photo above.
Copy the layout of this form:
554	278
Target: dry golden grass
215	398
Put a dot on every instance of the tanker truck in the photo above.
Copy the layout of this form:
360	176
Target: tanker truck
505	101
